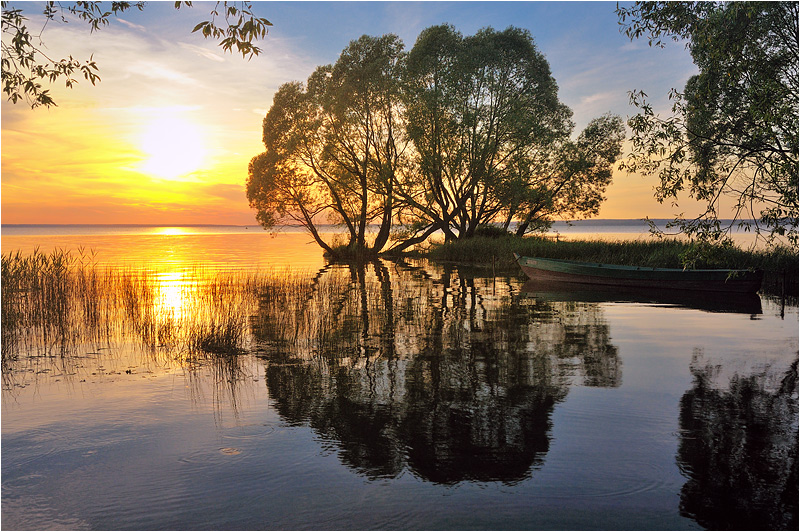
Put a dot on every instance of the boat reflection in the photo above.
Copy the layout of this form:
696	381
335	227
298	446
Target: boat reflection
738	450
429	370
707	301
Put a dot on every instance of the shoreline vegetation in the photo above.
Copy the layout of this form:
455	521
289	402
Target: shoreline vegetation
54	302
495	250
460	132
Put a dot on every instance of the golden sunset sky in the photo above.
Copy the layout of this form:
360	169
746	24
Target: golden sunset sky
166	136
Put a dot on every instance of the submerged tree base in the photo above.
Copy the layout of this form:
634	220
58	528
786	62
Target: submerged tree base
346	253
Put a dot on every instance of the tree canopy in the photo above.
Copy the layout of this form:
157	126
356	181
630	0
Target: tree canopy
733	132
26	65
456	133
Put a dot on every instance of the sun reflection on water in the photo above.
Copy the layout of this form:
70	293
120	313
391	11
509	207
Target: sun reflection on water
171	248
169	231
173	289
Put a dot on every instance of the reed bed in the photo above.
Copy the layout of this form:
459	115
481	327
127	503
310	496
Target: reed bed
53	303
60	304
348	322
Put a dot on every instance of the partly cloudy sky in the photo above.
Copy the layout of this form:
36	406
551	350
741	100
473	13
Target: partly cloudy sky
166	136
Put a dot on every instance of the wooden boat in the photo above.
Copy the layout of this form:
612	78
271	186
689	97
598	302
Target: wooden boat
717	302
739	281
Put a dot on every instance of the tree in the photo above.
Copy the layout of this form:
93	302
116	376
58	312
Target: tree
492	139
332	148
733	132
26	65
455	134
476	106
573	185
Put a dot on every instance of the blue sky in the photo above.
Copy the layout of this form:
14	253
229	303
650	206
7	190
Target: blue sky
167	135
594	64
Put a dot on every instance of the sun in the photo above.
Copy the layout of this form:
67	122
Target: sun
173	147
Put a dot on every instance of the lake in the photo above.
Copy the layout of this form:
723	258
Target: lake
396	395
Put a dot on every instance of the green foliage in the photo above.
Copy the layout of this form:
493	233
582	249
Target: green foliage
733	132
485	121
573	185
331	147
491	231
450	136
242	27
26	64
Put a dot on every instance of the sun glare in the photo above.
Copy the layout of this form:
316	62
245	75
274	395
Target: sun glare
173	288
173	147
169	231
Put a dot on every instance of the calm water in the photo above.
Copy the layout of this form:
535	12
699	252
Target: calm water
403	396
171	247
233	246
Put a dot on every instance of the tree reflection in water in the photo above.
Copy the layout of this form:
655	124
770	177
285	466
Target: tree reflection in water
449	376
738	449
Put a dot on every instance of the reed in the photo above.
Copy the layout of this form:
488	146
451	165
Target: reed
53	302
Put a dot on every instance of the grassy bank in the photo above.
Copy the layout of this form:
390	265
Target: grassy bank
498	253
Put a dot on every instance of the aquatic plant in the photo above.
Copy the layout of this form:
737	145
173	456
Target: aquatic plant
53	302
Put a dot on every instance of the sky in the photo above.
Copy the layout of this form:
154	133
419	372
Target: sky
166	136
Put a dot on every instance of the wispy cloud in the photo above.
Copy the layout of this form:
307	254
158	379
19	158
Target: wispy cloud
203	52
131	25
599	98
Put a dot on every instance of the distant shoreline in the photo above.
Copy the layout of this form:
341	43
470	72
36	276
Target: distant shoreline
560	223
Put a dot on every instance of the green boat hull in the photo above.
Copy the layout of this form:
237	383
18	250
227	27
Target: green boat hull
739	281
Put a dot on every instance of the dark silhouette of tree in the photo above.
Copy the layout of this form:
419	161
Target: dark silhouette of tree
457	133
733	130
331	147
491	137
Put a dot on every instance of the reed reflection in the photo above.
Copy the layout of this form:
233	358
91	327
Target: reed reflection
430	370
738	450
66	318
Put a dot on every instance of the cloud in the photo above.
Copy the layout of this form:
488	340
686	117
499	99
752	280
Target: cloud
131	25
599	97
155	70
82	157
202	52
632	46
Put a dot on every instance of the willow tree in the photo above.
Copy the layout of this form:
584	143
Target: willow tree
491	139
733	131
569	183
332	148
459	132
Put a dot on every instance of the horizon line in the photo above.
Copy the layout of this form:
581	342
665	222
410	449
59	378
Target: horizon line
286	225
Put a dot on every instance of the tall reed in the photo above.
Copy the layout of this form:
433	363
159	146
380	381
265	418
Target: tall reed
53	302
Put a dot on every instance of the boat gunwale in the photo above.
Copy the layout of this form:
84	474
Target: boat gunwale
622	267
638	277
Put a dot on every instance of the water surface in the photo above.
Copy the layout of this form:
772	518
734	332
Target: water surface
402	395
